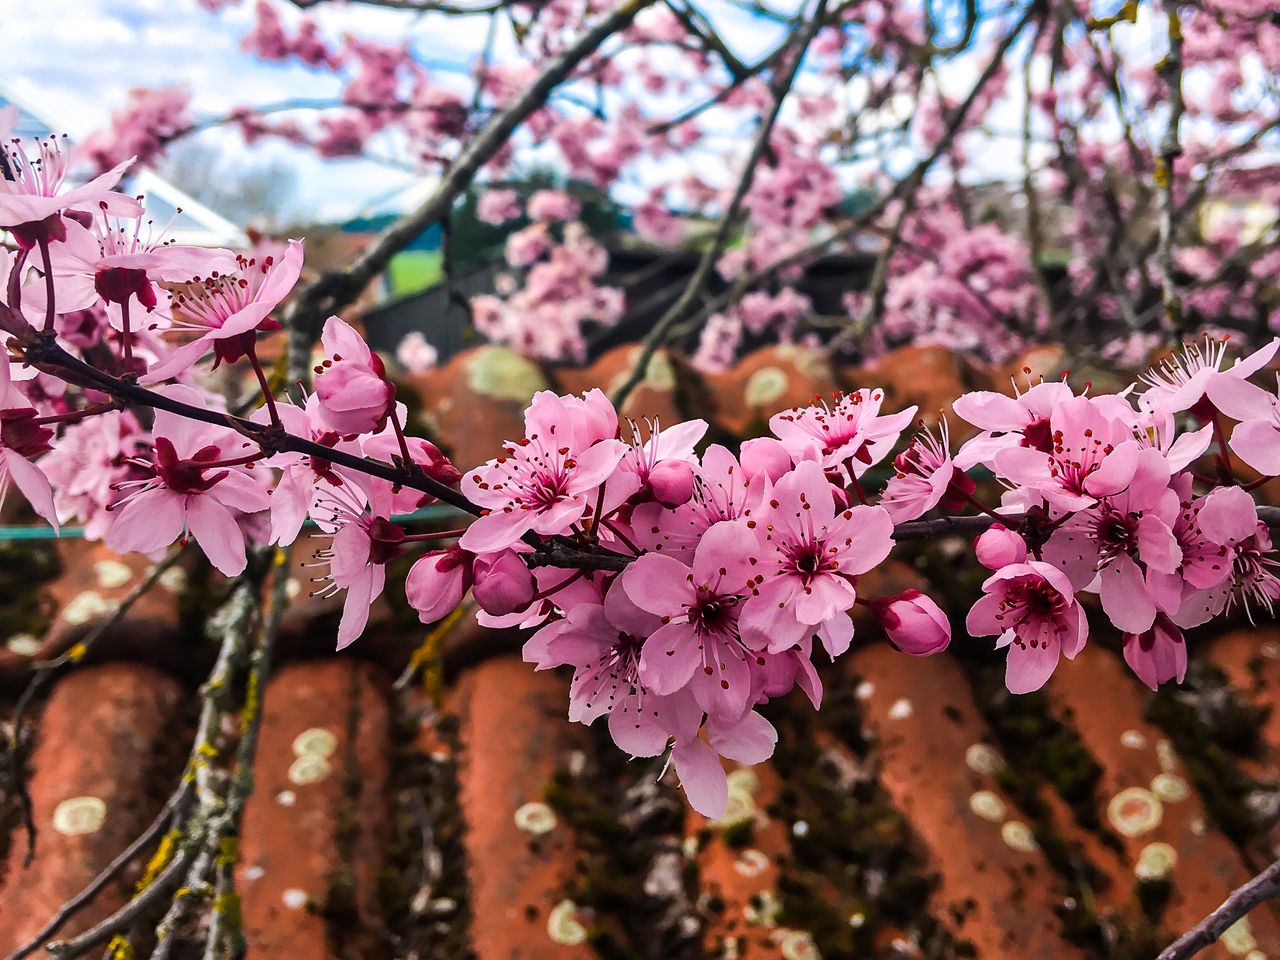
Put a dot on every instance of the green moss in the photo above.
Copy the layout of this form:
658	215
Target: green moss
26	607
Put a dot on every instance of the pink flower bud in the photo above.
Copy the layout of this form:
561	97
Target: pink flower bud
671	482
503	583
764	455
915	624
999	547
437	582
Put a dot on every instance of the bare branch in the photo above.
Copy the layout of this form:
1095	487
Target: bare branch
1265	886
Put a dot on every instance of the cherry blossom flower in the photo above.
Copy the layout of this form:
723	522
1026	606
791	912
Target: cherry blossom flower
32	194
913	622
1183	381
809	559
224	309
199	485
1158	654
1033	609
544	482
362	541
926	477
699	644
22	438
851	436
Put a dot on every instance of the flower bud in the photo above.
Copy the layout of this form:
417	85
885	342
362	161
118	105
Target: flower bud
503	583
998	547
671	482
913	622
437	582
764	455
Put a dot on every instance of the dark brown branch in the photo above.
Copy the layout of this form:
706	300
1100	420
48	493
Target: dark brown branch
334	290
1265	886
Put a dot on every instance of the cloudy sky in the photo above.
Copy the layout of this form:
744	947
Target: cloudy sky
72	61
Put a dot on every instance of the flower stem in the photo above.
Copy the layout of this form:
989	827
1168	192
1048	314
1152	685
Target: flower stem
251	351
47	266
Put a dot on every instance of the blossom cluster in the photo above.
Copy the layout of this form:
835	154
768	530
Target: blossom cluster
685	584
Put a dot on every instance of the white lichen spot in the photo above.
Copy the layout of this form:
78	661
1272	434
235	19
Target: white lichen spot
85	607
77	816
1270	649
292	588
751	862
689	847
1167	756
112	574
294	899
502	374
1238	938
315	742
1018	836
23	644
254	872
865	690
743	780
765	386
739	809
563	925
1135	811
174	580
900	710
1255	955
1170	787
309	768
763	909
858	920
576	763
987	805
286	798
536	818
1133	739
1155	862
799	945
984	759
800	829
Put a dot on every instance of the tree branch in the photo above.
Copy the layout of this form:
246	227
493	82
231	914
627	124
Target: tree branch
1265	886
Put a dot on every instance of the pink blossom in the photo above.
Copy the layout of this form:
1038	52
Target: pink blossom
925	478
1158	654
1033	608
141	130
659	466
199	484
553	205
497	207
699	645
1181	382
437	582
351	383
851	436
913	622
224	309
809	559
32	198
22	438
545	482
1256	439
362	541
415	354
88	461
1021	420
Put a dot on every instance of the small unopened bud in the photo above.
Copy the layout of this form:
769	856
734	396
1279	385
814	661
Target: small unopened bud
671	482
913	622
503	583
998	547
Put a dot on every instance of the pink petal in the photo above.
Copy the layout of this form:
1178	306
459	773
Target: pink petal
669	658
702	778
214	527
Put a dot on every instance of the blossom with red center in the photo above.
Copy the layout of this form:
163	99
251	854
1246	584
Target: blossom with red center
925	477
1092	453
225	310
698	644
546	482
849	437
199	484
1033	609
23	438
362	541
809	558
33	191
1018	421
1185	380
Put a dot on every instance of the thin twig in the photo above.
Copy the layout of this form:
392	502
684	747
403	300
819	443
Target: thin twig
1170	69
1265	886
